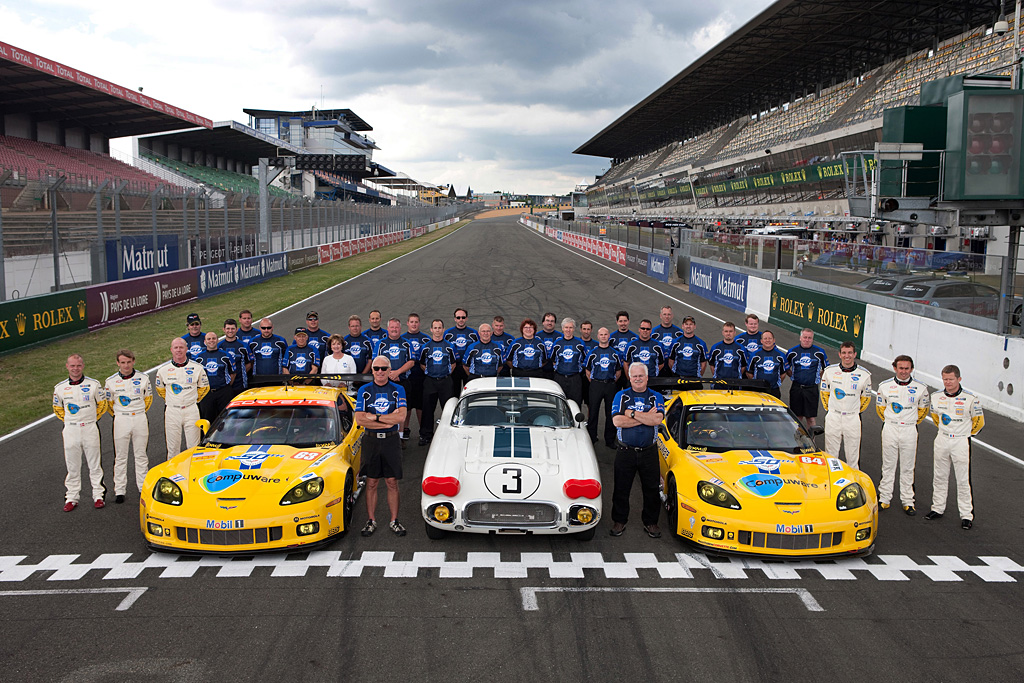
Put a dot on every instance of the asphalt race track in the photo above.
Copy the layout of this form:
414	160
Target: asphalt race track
82	599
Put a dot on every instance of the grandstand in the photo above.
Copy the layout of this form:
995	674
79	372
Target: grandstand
754	105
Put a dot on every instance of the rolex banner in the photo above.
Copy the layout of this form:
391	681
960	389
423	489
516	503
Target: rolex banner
41	318
833	318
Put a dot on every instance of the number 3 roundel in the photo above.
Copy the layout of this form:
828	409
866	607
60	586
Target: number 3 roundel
512	482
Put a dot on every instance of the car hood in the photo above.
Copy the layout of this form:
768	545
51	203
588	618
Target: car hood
241	470
784	477
478	448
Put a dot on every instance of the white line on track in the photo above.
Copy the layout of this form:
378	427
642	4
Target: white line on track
134	593
974	440
43	420
529	593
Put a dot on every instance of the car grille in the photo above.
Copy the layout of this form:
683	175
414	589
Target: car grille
229	536
760	539
508	513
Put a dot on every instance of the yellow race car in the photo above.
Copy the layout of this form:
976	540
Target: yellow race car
278	469
740	475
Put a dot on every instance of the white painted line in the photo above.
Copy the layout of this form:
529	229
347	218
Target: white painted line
1015	460
529	593
51	416
134	593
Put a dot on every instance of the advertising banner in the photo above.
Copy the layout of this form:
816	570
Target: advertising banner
41	318
303	258
336	251
116	301
622	255
719	285
324	253
657	267
636	260
834	319
346	249
137	256
223	277
233	250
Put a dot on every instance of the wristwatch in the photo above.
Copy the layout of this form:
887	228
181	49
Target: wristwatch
377	417
632	414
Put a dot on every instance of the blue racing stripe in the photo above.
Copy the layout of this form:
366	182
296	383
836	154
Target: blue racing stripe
521	382
522	446
503	443
504	383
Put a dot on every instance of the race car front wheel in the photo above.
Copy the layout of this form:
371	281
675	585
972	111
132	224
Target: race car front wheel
433	532
350	499
672	506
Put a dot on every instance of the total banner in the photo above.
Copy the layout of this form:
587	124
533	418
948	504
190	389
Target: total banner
41	318
223	277
833	318
116	301
137	256
719	285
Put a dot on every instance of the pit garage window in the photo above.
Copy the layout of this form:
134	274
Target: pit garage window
506	409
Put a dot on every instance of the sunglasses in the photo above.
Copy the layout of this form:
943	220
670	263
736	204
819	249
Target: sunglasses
269	327
645	329
381	369
460	317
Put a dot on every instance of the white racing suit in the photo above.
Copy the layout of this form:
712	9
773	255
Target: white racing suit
182	387
79	406
901	406
844	394
128	399
957	418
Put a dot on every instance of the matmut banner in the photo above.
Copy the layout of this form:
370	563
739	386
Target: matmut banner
48	66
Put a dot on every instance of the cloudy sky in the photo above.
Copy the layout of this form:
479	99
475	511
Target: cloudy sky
494	95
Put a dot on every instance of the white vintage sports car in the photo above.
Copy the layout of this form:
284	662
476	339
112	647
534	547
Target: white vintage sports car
511	455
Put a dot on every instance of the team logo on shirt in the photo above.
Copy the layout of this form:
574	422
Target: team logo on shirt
568	354
686	351
839	393
74	408
605	362
728	358
896	408
176	388
805	361
486	357
382	404
644	355
211	365
265	351
124	400
300	362
529	352
394	351
945	419
437	355
768	365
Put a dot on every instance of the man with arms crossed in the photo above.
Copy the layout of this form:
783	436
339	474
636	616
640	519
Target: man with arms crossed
78	402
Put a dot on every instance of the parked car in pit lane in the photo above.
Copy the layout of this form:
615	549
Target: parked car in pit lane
741	475
511	455
277	469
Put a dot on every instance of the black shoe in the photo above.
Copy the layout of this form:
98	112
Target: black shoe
909	509
119	498
369	528
617	529
423	441
610	445
933	515
405	433
652	530
966	524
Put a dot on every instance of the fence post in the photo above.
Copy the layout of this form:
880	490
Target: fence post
4	175
184	230
99	234
156	242
52	192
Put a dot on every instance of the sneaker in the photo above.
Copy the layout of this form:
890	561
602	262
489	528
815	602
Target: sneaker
933	515
423	441
70	505
966	524
884	506
652	530
369	528
909	509
397	527
406	433
617	529
99	504
119	498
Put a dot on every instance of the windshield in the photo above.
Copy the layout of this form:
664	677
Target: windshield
726	428
298	426
506	408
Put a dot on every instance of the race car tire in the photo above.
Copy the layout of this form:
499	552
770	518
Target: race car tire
349	500
672	506
433	533
587	535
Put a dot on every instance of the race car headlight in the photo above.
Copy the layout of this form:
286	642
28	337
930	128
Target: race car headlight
851	497
581	514
716	495
863	533
166	491
303	491
441	512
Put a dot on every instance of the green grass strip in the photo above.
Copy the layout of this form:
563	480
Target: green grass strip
27	377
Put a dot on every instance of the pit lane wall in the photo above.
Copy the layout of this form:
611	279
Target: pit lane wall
32	320
992	366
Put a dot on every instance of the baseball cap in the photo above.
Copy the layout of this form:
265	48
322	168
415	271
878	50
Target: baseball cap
192	318
301	330
312	316
689	318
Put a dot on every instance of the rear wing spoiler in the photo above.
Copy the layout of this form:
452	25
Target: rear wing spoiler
353	380
697	383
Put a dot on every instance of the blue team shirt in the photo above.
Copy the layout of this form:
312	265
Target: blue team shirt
548	339
751	343
483	358
640	436
218	366
603	363
437	358
622	340
806	364
688	354
727	360
589	344
768	365
526	354
380	400
196	345
666	337
461	340
569	356
398	352
239	352
416	341
319	340
647	352
359	348
300	360
374	336
267	354
505	339
246	336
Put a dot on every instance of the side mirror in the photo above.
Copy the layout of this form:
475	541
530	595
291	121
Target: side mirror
817	430
663	430
579	418
204	425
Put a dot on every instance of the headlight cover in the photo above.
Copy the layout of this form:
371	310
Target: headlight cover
851	497
304	491
166	491
716	495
